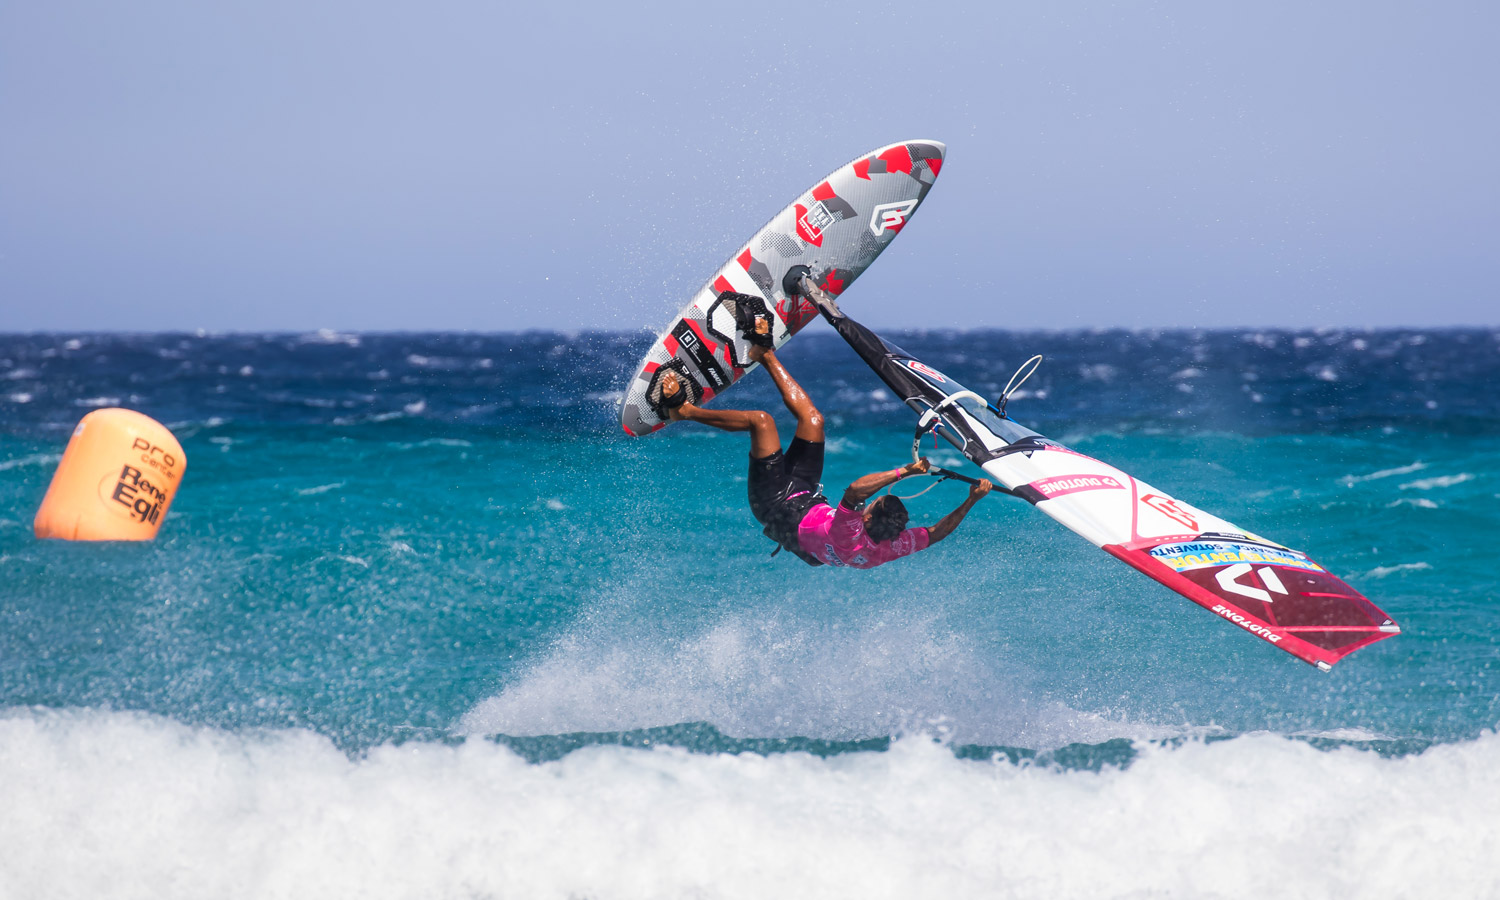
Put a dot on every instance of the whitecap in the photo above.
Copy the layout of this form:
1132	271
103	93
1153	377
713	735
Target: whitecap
1383	571
1420	502
329	336
780	676
286	813
1442	481
1386	473
1343	734
320	489
39	459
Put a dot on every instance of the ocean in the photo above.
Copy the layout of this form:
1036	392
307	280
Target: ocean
424	622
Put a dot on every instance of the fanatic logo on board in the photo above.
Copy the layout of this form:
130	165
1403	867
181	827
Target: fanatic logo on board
891	216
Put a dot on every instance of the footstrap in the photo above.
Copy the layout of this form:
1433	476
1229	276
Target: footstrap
688	390
748	311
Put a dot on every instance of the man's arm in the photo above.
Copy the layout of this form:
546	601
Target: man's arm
947	523
866	487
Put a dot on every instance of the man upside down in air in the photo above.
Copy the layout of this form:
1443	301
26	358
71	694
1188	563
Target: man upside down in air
784	486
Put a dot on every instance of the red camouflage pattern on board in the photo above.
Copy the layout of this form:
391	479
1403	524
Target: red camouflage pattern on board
828	228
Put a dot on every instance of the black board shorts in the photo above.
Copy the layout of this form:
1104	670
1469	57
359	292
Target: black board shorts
775	478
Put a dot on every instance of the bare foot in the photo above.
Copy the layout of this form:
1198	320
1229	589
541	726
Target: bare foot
758	354
671	385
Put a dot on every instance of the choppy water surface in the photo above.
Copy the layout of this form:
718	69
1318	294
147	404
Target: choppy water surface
424	585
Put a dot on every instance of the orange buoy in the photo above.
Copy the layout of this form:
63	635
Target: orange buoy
115	480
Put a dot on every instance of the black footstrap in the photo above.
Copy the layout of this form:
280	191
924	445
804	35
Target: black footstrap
749	310
688	390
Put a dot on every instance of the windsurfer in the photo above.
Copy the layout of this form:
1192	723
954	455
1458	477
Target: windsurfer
784	489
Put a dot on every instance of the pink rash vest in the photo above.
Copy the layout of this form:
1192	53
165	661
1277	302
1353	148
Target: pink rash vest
837	537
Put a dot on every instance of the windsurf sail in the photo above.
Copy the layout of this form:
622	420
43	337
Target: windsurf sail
1274	592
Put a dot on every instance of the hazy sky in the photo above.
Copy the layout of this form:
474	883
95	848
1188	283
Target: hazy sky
454	164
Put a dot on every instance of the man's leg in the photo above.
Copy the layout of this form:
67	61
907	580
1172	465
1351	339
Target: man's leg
764	439
809	420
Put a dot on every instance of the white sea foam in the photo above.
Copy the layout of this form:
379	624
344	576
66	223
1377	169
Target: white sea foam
344	558
329	336
1382	571
780	677
1442	481
434	442
320	489
36	459
1420	502
1386	473
119	805
1344	734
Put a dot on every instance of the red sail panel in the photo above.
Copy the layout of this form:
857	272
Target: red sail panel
1279	595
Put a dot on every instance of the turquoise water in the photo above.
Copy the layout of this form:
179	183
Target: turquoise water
409	573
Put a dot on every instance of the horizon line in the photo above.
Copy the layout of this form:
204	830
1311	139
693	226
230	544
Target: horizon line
333	335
